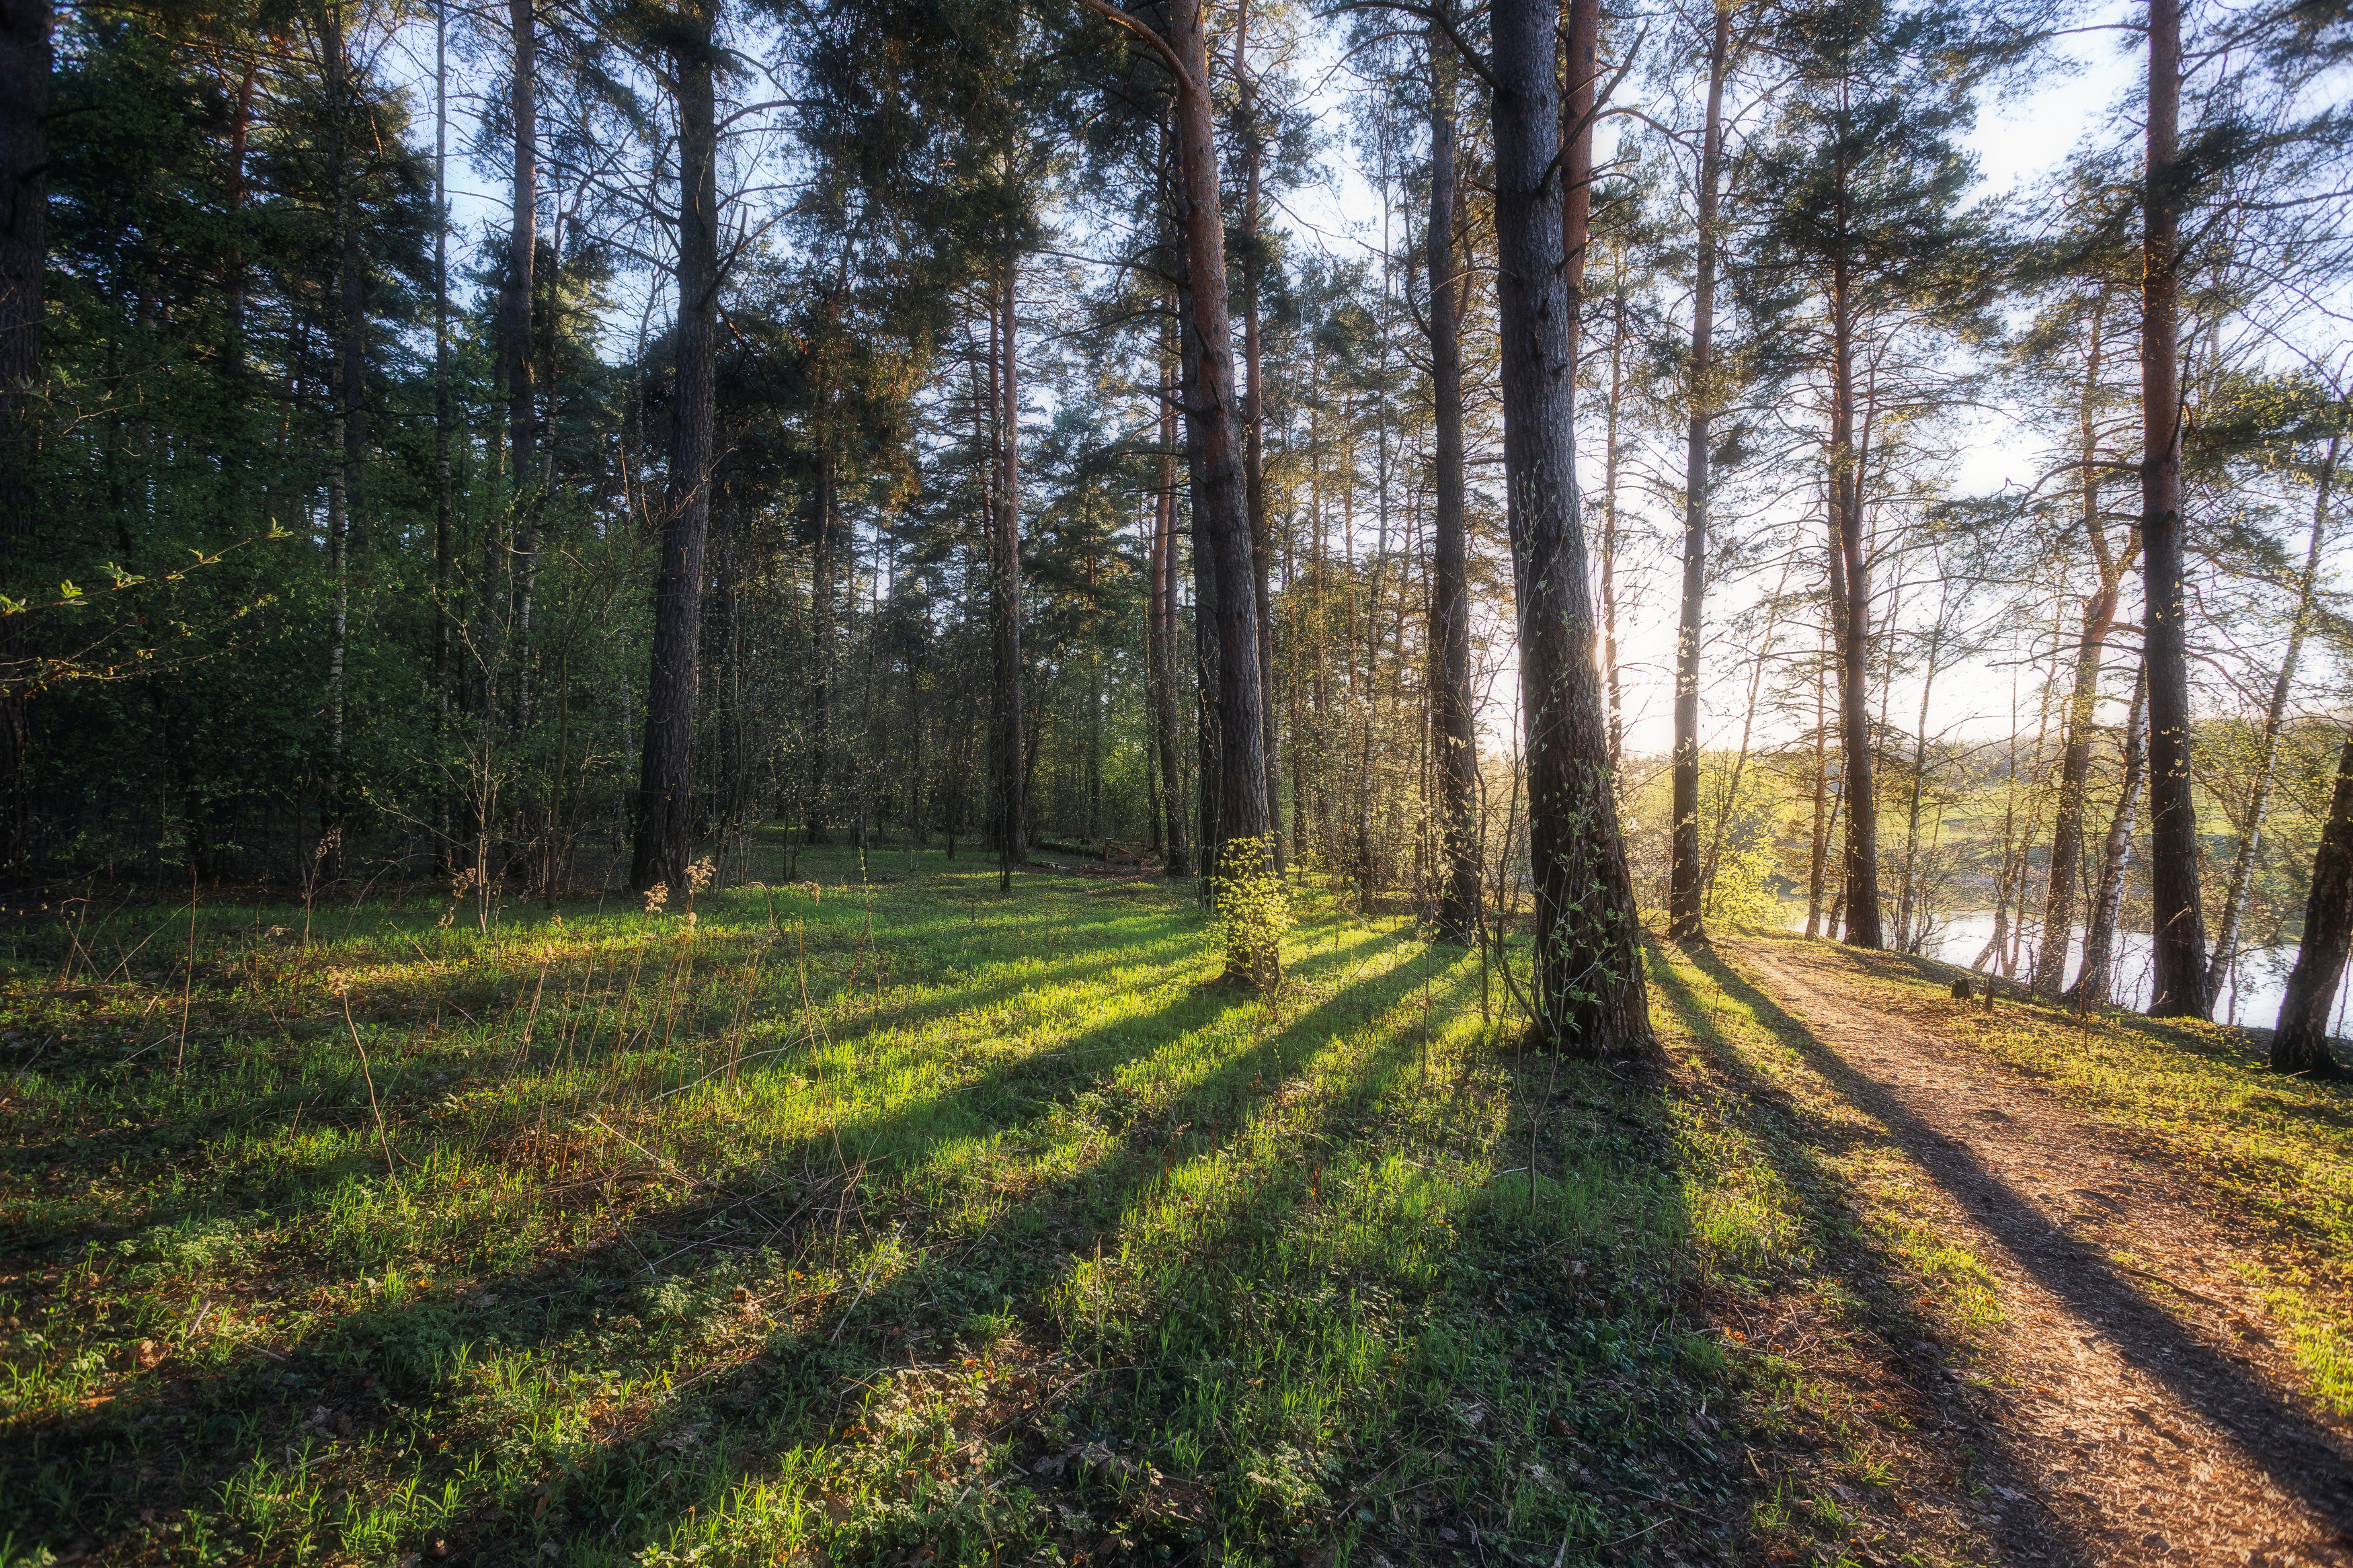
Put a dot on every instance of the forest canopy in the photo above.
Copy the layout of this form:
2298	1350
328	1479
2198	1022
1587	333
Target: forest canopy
1175	783
1608	469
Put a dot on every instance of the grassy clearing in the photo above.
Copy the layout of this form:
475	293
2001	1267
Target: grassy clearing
2277	1152
887	1223
897	1222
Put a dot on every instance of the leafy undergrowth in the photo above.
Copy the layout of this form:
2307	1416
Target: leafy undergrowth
2276	1150
854	1222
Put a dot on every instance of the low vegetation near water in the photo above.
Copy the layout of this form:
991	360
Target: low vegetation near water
883	1218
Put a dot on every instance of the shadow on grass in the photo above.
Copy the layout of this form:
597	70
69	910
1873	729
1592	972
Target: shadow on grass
2277	1438
404	1351
1800	1147
406	1080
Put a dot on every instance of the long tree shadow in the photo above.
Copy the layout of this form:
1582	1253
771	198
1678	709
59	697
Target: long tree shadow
814	1383
1832	1215
2277	1436
405	1082
406	1353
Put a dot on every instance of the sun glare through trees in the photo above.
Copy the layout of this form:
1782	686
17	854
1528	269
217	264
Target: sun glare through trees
1254	784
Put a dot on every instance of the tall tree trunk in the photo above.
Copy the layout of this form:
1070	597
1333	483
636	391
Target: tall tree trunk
1208	738
666	773
1685	891
444	536
1450	591
1215	445
516	337
1253	257
2094	978
2243	867
824	568
2301	1042
2090	648
1179	863
348	435
1853	564
1587	974
1612	674
1581	33
24	253
1907	889
233	263
2180	925
1818	860
1005	582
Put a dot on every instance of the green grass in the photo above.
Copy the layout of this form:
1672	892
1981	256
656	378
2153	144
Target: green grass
889	1223
898	1222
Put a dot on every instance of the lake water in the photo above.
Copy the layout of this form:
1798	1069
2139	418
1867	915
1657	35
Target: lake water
2254	998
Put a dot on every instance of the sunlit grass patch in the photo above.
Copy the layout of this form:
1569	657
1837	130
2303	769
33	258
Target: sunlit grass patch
890	1219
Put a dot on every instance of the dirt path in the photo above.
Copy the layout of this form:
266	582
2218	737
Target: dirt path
2142	1420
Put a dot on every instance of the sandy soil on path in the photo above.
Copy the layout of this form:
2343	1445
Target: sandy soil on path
2143	1412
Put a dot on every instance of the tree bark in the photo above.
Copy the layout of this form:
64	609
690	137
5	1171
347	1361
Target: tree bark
1214	441
1686	890
1178	862
444	501
2300	1043
1818	858
1907	888
1209	739
347	434
1450	592
2180	980
516	337
24	28
2243	867
666	773
2094	978
1581	33
1005	582
2091	646
824	568
1588	990
1254	256
1852	565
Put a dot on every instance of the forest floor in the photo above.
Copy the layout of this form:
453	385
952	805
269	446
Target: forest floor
2133	1388
884	1218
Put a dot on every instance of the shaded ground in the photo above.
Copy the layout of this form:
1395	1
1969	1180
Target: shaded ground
859	1220
896	1220
2134	1403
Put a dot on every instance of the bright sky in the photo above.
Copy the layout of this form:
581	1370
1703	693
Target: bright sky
2016	144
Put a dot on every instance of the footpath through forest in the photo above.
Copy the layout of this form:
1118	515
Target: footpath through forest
2132	1400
